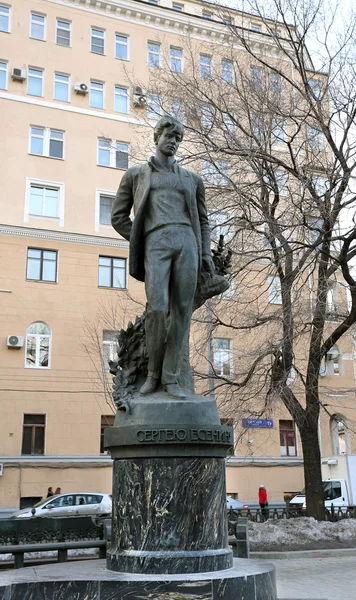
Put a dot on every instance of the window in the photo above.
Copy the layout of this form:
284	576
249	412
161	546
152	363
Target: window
38	346
33	434
227	71
154	109
106	421
4	18
334	361
257	128
207	14
332	490
177	6
112	272
46	142
109	348
97	41
121	46
255	27
3	75
43	201
282	182
113	154
41	264
229	123
219	225
153	2
256	77
63	33
37	26
215	173
96	94
61	87
315	87
321	185
287	438
316	139
227	20
205	66
222	356
177	109
176	59
274	290
121	100
206	117
154	54
332	298
105	208
35	82
275	82
277	132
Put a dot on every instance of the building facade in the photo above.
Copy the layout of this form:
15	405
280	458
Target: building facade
71	118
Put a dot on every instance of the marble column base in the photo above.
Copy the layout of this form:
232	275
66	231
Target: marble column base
90	580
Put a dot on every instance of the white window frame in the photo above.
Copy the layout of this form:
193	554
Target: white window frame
316	87
219	225
278	89
61	200
278	127
316	141
46	141
2	5
123	35
174	58
99	38
274	290
219	368
154	53
152	98
255	27
112	345
38	336
256	77
177	109
98	193
127	96
54	86
58	19
112	156
35	76
281	178
4	62
202	65
213	174
230	62
97	82
35	13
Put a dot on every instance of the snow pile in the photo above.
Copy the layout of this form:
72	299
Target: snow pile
300	531
52	554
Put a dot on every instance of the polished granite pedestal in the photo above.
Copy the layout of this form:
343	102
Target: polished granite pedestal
90	580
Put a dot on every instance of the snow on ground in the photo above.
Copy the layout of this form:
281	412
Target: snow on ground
90	552
300	531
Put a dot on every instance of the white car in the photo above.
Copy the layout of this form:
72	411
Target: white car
66	505
235	504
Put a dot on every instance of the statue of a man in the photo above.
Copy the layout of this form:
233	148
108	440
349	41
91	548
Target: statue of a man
169	246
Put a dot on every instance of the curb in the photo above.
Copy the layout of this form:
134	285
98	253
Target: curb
333	552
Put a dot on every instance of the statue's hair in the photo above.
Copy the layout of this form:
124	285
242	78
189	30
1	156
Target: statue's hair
167	121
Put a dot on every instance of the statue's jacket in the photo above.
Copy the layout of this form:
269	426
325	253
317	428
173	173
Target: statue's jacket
134	191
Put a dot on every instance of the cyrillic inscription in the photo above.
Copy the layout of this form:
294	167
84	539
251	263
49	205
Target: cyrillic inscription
219	436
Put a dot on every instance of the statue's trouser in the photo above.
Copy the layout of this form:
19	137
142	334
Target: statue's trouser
171	268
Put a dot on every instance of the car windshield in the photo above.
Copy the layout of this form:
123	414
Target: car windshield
42	502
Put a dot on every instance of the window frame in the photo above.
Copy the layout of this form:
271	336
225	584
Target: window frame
154	116
38	337
103	38
56	73
9	7
231	71
316	136
202	66
153	53
99	193
173	59
111	286
35	76
41	280
33	426
219	369
276	298
104	426
112	153
288	434
110	345
35	13
46	142
127	96
97	82
178	6
127	45
43	183
60	20
5	62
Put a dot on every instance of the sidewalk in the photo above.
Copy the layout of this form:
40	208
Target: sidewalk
316	578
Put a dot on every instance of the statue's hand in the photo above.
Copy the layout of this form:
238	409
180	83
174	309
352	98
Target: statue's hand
208	265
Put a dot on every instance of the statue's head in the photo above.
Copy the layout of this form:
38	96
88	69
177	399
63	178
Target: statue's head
169	125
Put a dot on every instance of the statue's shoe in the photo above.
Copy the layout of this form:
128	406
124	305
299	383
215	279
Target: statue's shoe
174	390
151	385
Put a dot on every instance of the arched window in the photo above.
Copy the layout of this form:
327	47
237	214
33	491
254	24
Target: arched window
38	346
340	434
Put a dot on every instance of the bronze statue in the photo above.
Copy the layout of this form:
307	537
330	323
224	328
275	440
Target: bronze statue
169	250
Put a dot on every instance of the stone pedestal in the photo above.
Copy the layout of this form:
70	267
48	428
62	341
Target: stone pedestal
169	496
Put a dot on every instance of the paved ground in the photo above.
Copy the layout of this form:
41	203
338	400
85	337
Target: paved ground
316	578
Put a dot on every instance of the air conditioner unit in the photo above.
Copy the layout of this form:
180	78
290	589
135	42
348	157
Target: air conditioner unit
15	341
139	96
18	74
81	88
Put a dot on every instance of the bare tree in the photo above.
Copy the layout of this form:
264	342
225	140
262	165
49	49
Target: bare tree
274	139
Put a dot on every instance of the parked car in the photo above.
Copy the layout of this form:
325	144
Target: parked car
236	504
65	505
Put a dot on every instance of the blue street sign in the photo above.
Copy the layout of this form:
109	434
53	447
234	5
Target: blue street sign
258	423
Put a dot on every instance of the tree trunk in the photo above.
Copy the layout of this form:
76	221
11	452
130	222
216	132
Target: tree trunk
314	492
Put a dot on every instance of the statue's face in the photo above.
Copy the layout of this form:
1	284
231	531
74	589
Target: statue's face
169	140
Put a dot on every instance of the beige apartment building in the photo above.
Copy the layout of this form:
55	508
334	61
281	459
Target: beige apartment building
71	118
